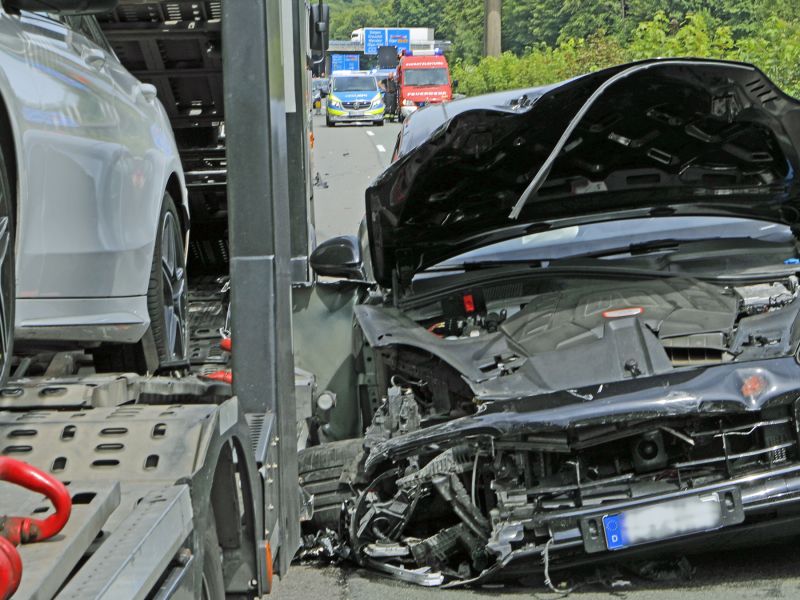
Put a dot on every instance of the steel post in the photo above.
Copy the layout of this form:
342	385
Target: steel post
259	239
298	128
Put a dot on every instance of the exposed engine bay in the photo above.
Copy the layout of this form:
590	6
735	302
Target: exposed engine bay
534	419
695	321
535	336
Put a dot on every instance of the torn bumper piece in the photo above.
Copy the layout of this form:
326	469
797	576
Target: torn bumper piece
582	535
504	487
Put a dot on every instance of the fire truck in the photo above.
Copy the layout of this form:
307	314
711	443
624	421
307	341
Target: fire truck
423	79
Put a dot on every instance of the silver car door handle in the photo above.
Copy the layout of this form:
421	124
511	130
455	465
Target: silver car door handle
148	91
94	57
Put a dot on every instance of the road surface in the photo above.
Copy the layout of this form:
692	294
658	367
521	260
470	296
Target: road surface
347	159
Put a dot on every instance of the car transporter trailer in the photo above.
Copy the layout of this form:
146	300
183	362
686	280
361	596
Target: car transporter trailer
184	486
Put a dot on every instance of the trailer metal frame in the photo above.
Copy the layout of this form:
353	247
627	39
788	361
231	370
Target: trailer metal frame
154	462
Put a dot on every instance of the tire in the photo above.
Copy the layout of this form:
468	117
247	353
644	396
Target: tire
320	468
379	123
328	122
167	292
212	584
7	266
164	345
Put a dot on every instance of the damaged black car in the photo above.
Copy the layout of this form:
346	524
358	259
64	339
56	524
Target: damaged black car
572	321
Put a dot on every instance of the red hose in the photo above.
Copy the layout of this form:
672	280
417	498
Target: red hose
16	530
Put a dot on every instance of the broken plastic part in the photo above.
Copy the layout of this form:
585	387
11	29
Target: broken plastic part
500	541
386	550
422	576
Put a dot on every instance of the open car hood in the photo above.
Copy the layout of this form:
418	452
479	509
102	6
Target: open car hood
658	137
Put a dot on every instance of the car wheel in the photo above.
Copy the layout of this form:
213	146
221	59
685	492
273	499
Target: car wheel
167	292
165	343
328	122
379	123
320	468
7	260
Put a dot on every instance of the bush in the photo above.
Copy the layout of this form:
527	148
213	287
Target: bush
775	48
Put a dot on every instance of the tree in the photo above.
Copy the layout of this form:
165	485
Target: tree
775	48
346	17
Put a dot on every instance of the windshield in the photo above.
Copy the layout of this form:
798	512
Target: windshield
436	76
597	238
355	84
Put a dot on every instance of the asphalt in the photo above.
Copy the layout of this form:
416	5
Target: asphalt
347	158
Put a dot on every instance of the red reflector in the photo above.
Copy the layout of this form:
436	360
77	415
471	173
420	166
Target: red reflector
753	386
469	303
623	312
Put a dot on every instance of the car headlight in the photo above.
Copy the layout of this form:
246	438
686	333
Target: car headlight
334	102
408	103
377	101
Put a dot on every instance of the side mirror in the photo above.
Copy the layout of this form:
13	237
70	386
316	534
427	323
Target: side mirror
319	17
338	257
63	7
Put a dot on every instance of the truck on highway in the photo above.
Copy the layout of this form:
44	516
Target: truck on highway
181	484
422	80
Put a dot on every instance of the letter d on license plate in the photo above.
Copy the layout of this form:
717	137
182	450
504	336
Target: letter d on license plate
662	521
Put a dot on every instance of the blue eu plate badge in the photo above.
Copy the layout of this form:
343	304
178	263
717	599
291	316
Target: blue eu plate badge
613	525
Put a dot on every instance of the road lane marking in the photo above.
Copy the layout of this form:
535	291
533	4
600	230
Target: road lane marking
380	148
369	133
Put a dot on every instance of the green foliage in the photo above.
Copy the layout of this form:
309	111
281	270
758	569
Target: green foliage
551	40
694	37
459	21
774	47
539	66
776	50
348	15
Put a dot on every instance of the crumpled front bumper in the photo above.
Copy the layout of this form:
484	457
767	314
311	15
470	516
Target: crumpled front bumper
731	436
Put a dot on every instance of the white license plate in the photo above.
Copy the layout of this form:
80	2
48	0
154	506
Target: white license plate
662	521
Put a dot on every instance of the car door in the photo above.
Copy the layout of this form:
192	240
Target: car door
71	150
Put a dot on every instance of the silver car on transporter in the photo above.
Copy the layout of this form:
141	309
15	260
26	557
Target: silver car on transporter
92	196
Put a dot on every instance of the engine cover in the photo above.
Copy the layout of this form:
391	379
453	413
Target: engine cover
580	312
